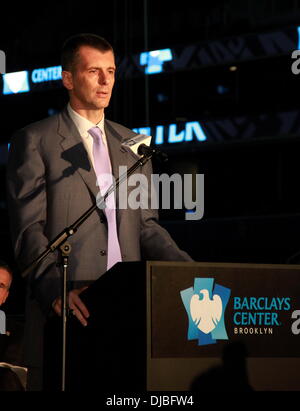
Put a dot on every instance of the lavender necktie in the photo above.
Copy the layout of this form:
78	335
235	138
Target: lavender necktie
104	178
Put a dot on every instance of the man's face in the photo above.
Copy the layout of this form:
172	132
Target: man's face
93	78
5	281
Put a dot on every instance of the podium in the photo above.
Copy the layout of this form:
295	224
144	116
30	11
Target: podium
177	325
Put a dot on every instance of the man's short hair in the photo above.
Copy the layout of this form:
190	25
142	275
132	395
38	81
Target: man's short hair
69	53
4	265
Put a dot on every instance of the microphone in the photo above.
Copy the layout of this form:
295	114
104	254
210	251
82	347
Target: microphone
140	146
150	151
133	143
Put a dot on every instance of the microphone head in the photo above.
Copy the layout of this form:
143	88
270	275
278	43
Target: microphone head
134	143
145	150
140	145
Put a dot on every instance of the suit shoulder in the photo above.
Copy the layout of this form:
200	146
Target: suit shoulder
38	127
125	132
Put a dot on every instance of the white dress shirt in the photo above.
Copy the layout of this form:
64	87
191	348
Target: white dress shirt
83	125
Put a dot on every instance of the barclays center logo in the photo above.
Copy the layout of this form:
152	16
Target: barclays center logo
205	304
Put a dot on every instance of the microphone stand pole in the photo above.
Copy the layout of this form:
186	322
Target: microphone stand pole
65	248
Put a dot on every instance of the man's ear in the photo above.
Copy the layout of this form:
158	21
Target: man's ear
67	80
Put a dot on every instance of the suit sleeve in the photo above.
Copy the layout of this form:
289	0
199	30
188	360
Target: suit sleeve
156	242
27	206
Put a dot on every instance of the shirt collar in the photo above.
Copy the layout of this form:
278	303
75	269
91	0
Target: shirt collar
82	123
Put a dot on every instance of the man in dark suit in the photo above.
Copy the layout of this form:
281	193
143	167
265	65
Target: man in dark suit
9	381
52	180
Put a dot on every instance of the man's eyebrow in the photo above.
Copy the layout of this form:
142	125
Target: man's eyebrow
99	68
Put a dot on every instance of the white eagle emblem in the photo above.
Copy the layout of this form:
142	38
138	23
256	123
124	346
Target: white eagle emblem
206	313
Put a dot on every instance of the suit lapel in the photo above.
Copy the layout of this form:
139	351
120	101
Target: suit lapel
75	152
118	155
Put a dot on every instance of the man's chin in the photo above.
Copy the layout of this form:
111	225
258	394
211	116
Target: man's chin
100	105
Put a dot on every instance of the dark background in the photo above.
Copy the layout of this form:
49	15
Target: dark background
252	206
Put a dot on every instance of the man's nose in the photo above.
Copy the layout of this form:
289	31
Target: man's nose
103	78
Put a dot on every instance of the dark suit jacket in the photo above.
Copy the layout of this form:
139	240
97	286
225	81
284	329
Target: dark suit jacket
51	182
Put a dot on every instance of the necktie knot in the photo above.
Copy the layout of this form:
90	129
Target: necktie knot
96	133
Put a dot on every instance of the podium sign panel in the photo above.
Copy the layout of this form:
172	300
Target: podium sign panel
197	310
